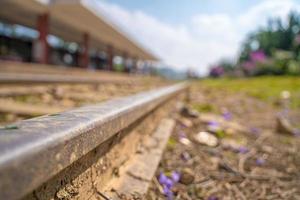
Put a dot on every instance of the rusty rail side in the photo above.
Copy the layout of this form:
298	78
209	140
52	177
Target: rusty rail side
33	151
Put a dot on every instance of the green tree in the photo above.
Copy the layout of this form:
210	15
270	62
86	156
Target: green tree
280	41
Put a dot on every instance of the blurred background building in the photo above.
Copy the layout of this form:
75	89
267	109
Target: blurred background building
69	33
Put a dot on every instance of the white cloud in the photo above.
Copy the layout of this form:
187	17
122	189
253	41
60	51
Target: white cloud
259	14
201	42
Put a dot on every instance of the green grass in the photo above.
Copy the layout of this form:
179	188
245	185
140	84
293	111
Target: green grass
264	88
204	107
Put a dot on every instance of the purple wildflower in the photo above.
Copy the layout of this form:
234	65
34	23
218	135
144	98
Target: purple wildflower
297	132
297	39
168	192
212	198
260	161
213	123
227	116
175	176
162	178
168	183
255	131
181	126
284	112
181	134
242	150
248	65
213	126
258	56
216	71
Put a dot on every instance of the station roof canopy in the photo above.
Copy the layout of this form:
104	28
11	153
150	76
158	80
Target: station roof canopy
69	20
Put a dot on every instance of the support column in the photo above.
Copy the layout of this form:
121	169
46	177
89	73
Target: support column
125	63
85	59
110	57
41	48
134	65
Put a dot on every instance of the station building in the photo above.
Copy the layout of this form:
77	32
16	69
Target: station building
66	32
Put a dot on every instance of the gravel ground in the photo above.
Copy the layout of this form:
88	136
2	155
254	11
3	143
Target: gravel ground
251	160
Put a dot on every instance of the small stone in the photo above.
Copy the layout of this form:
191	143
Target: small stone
230	144
67	102
187	112
58	91
236	127
186	122
63	194
206	138
230	131
178	188
47	98
285	94
179	106
185	156
284	126
10	117
187	176
193	113
185	141
215	162
267	149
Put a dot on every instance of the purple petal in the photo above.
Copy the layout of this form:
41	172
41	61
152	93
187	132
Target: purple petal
169	183
243	150
162	178
213	123
213	126
255	131
165	190
168	192
175	176
227	116
182	134
212	198
296	132
260	161
170	195
258	56
284	112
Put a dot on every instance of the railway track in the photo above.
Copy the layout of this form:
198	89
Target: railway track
31	78
104	151
21	100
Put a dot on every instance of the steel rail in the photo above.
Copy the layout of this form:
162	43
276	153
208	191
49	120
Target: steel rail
14	78
33	151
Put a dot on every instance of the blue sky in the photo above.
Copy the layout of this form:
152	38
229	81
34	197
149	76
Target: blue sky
179	11
192	33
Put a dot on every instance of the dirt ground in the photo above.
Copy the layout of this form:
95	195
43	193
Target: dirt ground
252	160
19	102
